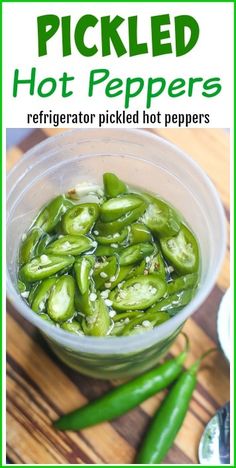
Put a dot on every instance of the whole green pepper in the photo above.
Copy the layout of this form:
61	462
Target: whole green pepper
114	208
125	397
138	293
44	266
73	245
160	218
83	269
182	251
61	299
169	418
113	186
29	244
51	214
80	219
41	295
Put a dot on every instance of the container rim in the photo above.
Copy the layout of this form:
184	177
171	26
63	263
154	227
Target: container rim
113	345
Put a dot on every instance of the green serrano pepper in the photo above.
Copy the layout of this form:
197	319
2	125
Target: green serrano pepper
124	251
160	218
119	224
117	207
138	293
61	299
41	295
72	245
135	253
44	266
113	186
52	213
83	269
182	251
125	397
169	418
80	219
29	244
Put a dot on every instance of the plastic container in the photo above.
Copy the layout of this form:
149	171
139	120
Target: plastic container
140	159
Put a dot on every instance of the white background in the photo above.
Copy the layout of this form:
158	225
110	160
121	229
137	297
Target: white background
212	56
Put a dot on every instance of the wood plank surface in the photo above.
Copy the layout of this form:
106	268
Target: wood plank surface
40	387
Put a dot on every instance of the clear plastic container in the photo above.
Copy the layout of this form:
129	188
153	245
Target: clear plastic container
140	159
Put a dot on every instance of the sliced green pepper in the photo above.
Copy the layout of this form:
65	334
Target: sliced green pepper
21	286
73	245
134	253
72	327
104	273
41	295
106	251
160	218
114	208
100	323
122	273
113	186
83	269
182	251
80	219
43	243
138	293
183	282
52	213
123	221
173	303
139	233
138	270
116	238
29	244
157	265
61	299
44	266
147	320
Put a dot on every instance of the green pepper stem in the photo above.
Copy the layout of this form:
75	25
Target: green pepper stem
195	366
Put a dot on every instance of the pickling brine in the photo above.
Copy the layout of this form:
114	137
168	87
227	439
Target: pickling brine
110	261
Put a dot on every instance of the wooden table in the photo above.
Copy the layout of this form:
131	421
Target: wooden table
40	387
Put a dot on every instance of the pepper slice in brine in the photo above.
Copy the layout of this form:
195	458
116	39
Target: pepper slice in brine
44	266
160	218
100	323
80	219
182	251
119	224
61	300
138	293
83	269
29	244
41	295
113	186
135	253
73	245
116	207
52	213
